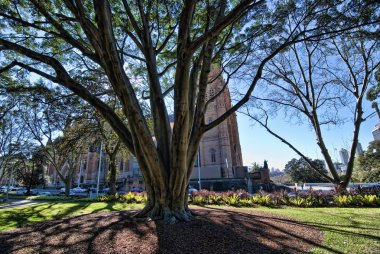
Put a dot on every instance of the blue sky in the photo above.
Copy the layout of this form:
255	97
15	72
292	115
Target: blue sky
258	145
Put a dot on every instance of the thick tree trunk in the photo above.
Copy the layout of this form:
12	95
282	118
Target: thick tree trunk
167	202
171	209
341	187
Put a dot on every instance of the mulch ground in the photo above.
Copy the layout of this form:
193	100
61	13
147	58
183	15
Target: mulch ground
212	231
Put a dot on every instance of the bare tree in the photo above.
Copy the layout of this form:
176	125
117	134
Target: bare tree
315	82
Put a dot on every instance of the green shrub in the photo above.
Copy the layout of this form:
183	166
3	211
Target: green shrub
130	197
245	203
198	200
342	200
139	199
370	200
88	199
215	200
264	200
297	201
356	200
231	200
51	198
309	199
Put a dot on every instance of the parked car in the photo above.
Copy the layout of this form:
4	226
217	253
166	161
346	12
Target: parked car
71	193
21	191
34	192
5	188
192	190
45	193
137	189
79	190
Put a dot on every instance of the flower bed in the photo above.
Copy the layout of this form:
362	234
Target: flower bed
311	198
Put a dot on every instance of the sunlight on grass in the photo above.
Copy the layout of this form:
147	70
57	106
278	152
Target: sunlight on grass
346	230
19	217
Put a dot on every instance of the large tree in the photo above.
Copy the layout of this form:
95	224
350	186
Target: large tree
163	48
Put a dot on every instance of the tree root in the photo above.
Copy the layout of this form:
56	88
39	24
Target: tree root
164	215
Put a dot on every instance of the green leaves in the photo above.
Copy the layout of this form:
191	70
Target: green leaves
301	172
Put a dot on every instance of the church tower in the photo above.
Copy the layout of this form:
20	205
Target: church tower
220	151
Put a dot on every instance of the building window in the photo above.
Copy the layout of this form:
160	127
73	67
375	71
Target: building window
213	155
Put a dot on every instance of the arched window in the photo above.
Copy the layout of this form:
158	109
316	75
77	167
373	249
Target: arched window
213	155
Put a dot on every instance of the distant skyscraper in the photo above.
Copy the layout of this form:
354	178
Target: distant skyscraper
359	149
376	132
344	156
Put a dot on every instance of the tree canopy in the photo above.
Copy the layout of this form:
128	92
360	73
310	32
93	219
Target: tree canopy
300	171
368	164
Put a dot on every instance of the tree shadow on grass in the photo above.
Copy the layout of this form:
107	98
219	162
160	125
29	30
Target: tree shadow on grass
336	228
212	231
345	230
349	218
31	214
23	216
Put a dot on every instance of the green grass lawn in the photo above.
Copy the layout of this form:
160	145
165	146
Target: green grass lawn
18	217
346	230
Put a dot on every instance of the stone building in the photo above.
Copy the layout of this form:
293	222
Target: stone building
219	155
220	151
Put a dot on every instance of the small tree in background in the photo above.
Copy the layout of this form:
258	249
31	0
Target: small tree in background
29	172
300	171
255	167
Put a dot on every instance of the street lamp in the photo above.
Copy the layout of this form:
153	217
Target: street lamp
228	172
80	171
100	165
